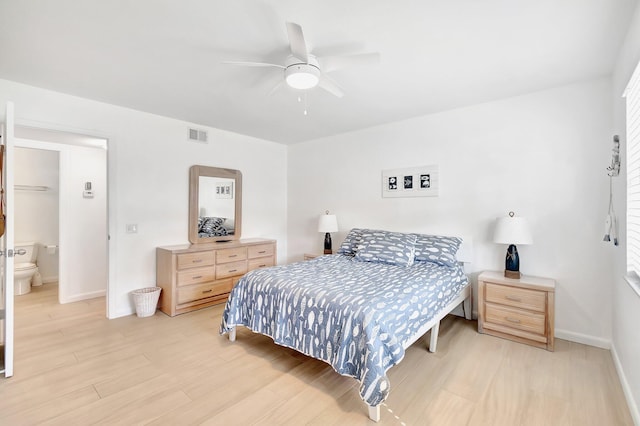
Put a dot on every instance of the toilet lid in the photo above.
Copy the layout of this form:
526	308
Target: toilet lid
19	266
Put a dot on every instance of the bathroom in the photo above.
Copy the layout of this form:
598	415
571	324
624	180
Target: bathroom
60	191
36	210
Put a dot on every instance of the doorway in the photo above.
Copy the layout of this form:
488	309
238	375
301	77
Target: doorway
81	249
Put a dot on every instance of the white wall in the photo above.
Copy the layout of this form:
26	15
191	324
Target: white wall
542	155
148	175
626	303
36	212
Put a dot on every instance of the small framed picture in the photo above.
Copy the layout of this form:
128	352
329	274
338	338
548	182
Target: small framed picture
408	182
392	183
425	181
224	190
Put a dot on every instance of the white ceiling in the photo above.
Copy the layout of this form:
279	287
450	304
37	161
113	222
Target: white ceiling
165	56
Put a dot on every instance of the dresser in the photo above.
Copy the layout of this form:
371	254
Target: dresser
522	309
194	276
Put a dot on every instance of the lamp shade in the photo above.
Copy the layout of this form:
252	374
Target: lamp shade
512	230
328	223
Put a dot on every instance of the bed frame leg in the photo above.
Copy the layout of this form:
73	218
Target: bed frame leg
374	413
468	307
433	343
232	334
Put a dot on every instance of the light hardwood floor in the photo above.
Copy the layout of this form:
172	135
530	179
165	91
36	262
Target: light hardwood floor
74	367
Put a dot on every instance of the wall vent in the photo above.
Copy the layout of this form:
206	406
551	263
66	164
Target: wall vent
198	135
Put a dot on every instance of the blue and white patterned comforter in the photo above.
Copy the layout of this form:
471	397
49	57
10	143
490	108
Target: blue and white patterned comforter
354	315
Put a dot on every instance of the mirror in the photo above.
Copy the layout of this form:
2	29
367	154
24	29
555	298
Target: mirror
215	204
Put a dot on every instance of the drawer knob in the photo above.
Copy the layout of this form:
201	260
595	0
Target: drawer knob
262	266
197	260
233	255
513	298
262	252
206	291
233	270
197	277
513	320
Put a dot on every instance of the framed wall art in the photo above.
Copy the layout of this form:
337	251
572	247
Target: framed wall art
420	181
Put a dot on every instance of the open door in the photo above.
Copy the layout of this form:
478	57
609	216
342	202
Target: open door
6	246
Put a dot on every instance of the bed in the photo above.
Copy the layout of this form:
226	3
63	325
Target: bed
359	309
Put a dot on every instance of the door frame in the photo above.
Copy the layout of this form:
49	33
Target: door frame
7	239
110	181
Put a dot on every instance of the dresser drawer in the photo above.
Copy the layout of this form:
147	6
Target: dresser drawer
532	322
196	276
194	260
533	300
202	291
261	250
230	269
261	262
231	255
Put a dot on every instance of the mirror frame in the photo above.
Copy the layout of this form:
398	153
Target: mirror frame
194	207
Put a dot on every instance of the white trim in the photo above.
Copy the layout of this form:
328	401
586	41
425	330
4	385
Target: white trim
634	282
585	339
633	407
52	279
84	296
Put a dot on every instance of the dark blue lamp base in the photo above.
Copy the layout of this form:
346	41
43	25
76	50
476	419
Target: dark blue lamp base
327	244
512	263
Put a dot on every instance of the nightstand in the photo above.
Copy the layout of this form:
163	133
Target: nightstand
309	256
521	310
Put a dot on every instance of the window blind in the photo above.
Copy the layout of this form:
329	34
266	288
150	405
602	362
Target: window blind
632	95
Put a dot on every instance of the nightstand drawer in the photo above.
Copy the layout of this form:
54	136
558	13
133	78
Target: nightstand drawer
515	318
230	269
196	276
231	255
202	291
517	297
193	260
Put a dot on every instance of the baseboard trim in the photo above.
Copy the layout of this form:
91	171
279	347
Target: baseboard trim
83	296
633	407
47	280
583	338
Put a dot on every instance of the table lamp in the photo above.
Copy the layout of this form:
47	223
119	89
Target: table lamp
512	230
328	223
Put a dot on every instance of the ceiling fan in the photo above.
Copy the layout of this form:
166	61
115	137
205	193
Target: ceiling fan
303	70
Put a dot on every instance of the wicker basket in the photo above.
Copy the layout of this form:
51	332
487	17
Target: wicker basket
146	300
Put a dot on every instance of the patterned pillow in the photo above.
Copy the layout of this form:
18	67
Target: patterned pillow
394	248
437	249
350	244
212	226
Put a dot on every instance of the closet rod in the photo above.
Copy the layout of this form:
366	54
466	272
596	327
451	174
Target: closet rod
30	188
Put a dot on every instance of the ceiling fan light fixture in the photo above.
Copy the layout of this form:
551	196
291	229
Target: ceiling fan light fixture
302	76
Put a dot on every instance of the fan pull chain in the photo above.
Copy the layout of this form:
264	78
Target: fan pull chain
306	104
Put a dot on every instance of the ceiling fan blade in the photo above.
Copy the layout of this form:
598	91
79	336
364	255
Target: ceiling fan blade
330	86
253	64
275	88
333	63
296	42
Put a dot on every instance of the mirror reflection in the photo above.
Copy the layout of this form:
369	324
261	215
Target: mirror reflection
214	204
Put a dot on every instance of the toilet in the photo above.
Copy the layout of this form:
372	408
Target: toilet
25	267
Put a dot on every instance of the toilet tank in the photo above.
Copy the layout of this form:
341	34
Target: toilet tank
31	252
